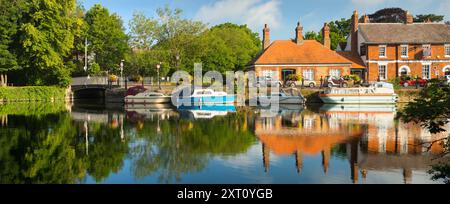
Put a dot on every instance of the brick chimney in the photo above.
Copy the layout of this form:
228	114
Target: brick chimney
326	36
299	34
408	18
366	19
354	32
266	37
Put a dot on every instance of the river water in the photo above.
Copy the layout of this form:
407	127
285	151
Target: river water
60	143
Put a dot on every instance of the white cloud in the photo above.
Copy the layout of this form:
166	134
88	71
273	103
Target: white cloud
254	13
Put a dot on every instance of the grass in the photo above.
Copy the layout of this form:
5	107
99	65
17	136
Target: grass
32	93
32	108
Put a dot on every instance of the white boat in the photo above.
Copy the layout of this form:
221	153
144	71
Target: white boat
288	96
378	93
147	98
206	97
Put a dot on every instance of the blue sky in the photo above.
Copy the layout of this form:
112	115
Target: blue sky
281	15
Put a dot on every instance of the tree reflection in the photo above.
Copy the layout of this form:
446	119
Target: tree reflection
49	148
174	146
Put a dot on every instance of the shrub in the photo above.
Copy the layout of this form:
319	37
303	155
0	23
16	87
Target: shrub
293	77
395	82
94	69
32	93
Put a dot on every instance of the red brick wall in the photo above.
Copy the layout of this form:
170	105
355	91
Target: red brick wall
393	52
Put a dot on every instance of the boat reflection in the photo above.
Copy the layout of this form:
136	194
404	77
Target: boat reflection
369	136
205	112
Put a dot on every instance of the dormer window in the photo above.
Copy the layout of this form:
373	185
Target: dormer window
362	50
426	50
382	51
404	51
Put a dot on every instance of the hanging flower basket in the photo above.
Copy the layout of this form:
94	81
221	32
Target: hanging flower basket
113	78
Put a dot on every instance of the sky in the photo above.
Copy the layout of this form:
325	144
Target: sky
281	15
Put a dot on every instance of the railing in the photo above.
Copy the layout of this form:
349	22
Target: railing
79	81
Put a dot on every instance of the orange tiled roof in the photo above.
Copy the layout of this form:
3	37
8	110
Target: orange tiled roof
310	52
354	58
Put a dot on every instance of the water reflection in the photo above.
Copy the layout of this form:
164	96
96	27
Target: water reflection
56	143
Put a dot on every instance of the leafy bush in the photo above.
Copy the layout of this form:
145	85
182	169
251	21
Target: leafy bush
136	78
395	82
293	77
32	93
94	69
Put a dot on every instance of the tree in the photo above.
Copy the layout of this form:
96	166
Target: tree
447	22
43	39
432	111
243	44
143	31
10	14
388	15
106	37
176	36
339	31
428	17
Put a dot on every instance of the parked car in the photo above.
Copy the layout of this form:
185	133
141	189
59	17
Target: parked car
405	82
308	83
135	90
332	81
267	81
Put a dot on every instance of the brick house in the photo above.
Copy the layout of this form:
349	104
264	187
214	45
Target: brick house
390	50
307	58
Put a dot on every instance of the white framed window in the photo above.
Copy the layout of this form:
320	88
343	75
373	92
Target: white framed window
308	74
447	50
426	71
426	49
382	51
268	74
404	51
382	72
335	72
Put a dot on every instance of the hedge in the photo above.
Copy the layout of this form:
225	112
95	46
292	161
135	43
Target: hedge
32	93
33	108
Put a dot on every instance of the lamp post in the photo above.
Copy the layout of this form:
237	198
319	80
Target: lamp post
121	70
158	66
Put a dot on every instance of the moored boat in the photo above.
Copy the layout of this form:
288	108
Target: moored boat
206	97
290	96
378	93
147	97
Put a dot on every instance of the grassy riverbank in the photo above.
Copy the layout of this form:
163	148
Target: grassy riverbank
32	93
33	108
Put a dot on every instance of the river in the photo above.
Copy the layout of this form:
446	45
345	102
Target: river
61	143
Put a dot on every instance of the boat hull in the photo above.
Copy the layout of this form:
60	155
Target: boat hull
282	100
346	99
148	100
206	100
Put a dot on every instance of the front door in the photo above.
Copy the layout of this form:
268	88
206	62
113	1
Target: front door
286	72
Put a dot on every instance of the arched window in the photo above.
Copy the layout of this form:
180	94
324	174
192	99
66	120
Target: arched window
446	71
404	71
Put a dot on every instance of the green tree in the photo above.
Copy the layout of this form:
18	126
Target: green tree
44	38
428	17
339	31
432	111
10	14
243	44
142	31
106	37
177	36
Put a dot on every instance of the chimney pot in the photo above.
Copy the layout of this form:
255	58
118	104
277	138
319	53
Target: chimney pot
299	34
326	36
408	18
266	37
